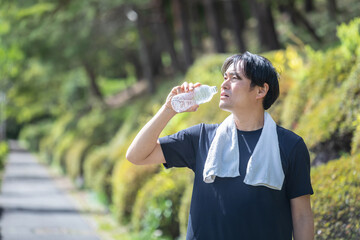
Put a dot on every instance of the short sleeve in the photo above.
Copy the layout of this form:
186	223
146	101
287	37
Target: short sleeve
298	182
179	149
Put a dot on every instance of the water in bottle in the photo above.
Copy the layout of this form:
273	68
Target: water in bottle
184	101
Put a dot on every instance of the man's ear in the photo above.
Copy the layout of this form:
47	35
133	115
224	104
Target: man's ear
262	91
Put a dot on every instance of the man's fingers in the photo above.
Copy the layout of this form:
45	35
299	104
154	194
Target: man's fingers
178	90
191	87
185	87
197	85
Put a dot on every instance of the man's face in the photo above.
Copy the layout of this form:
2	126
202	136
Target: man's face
236	93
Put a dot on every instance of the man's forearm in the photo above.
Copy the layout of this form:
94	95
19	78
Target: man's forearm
304	228
146	140
303	219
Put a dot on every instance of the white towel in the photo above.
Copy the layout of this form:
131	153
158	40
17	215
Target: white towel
264	167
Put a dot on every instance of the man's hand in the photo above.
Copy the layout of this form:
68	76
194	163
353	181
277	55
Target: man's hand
184	88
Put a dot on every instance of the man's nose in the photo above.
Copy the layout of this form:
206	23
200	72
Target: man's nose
225	84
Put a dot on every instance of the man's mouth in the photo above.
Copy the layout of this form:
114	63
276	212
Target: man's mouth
224	95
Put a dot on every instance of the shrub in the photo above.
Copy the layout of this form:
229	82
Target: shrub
289	64
4	150
49	141
324	72
349	35
336	202
316	83
60	150
321	123
75	157
157	204
322	106
327	127
350	99
31	134
185	210
99	125
127	180
355	145
97	172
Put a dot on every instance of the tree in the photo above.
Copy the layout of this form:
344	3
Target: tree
309	5
332	8
164	33
145	56
236	21
60	40
297	18
265	24
180	10
214	25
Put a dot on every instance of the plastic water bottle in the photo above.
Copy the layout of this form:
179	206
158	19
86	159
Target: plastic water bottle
184	101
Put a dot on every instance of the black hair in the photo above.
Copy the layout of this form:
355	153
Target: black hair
259	70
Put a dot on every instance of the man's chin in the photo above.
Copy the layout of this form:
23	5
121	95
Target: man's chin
224	106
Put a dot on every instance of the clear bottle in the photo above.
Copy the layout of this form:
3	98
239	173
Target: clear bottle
184	101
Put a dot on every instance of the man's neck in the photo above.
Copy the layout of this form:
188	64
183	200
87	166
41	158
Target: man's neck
250	121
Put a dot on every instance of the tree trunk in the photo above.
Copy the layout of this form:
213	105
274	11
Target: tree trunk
309	5
145	55
164	32
94	88
135	61
236	21
214	26
266	28
332	8
181	16
198	25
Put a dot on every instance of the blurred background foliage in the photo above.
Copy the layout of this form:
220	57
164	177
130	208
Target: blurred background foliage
80	78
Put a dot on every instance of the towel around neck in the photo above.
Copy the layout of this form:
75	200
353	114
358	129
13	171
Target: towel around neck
264	167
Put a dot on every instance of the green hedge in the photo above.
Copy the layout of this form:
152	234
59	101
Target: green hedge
32	134
4	150
48	143
185	209
336	202
332	112
75	157
97	172
61	148
355	145
323	72
156	210
128	179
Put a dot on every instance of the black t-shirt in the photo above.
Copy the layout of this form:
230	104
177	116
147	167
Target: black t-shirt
229	209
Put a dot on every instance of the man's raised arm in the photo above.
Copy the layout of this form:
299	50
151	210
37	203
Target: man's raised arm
146	149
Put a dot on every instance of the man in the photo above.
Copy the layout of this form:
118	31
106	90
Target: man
229	201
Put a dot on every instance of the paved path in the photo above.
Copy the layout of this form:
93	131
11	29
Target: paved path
35	207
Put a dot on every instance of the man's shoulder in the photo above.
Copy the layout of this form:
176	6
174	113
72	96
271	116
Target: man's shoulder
287	134
210	127
202	128
287	139
207	129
